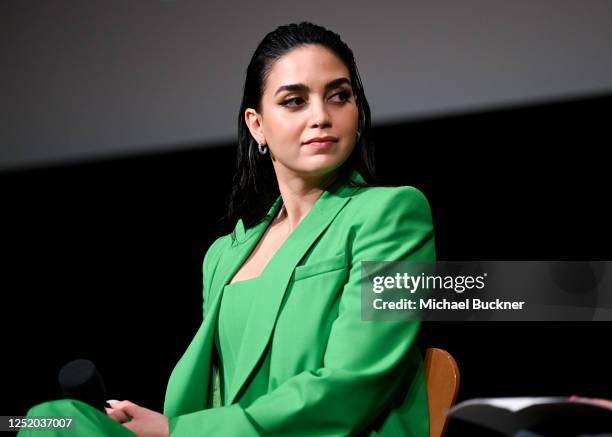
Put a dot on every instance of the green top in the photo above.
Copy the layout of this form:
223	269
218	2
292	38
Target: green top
234	312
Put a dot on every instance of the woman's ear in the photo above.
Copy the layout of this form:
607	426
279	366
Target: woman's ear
253	122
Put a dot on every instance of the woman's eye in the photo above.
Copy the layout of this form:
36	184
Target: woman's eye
343	95
294	99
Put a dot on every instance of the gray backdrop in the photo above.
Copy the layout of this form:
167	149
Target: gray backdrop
89	79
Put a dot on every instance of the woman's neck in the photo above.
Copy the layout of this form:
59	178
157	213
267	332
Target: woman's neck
298	197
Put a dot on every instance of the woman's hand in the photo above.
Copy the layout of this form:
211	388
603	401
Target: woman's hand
142	421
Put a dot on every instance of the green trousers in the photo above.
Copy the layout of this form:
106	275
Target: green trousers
87	422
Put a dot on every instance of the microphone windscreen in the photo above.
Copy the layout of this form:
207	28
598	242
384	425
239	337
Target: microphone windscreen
79	379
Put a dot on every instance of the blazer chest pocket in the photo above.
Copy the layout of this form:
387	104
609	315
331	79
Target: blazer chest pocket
336	262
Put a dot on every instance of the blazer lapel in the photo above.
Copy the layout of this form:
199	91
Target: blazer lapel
278	272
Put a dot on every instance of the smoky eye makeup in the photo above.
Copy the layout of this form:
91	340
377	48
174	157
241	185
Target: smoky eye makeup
293	101
289	101
345	94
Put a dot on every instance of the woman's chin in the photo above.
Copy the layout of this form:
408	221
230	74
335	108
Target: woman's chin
320	166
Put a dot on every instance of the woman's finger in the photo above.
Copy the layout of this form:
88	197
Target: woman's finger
117	415
606	403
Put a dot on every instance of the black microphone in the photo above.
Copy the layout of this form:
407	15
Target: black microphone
80	380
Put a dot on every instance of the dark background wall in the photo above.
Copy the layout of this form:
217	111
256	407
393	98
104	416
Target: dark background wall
103	260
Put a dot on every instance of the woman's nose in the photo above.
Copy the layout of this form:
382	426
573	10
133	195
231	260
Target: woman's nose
319	114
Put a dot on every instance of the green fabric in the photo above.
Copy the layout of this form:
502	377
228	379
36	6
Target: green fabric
327	372
88	422
235	308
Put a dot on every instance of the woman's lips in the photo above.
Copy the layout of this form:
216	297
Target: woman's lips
321	145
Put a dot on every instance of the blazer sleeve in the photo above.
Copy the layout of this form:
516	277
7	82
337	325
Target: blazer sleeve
209	265
364	361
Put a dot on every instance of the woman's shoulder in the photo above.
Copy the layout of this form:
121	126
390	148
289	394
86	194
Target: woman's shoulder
382	191
380	199
214	251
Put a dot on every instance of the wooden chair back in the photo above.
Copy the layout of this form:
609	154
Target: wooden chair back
442	376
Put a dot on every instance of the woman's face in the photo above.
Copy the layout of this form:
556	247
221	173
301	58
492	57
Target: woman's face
307	95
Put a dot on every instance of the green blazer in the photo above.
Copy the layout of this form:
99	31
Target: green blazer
331	374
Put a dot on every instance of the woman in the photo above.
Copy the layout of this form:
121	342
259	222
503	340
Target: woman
282	349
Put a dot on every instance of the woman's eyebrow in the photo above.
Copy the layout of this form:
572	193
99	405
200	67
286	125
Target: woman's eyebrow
301	87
